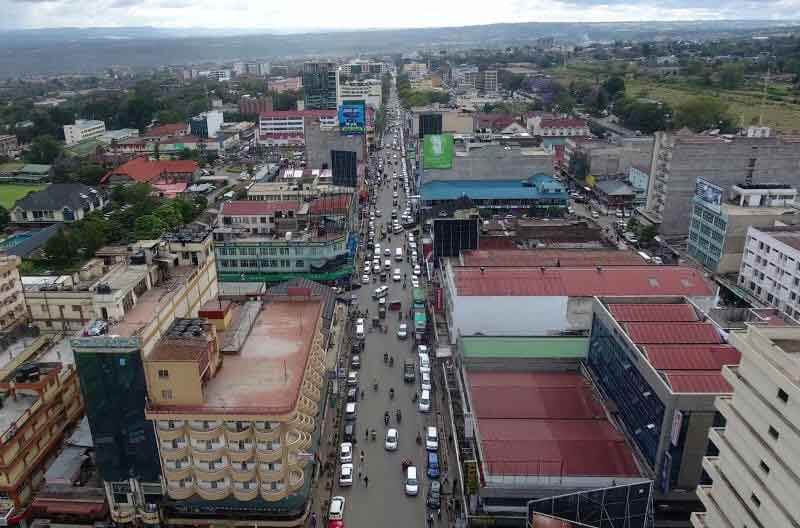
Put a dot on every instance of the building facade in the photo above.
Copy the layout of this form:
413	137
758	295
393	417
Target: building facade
13	309
207	124
769	270
755	471
287	127
83	129
320	85
8	144
368	91
486	81
59	202
253	106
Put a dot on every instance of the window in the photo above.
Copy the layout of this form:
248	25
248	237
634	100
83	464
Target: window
163	374
755	500
166	394
300	264
773	433
764	467
783	396
76	308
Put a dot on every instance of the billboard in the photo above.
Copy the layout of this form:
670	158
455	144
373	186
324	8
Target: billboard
709	194
352	117
452	236
430	124
344	168
437	151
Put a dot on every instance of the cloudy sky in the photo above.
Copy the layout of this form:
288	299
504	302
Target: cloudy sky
353	14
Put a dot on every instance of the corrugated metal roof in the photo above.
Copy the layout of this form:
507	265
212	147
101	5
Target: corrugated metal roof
704	381
624	313
691	357
581	282
257	207
567	258
672	333
524	347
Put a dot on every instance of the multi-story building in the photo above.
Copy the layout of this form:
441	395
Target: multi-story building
59	202
754	471
41	400
251	68
286	127
658	362
368	91
280	85
253	106
415	70
207	124
320	85
680	158
274	241
83	129
719	226
8	144
13	310
770	269
235	440
217	75
486	81
638	178
561	127
363	68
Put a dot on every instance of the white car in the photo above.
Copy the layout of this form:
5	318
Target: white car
431	439
424	401
376	268
336	510
346	475
387	252
414	282
425	381
412	484
352	378
402	331
378	212
424	363
396	276
345	452
417	269
391	440
365	279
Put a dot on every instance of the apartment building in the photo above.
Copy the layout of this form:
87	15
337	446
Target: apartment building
770	269
363	68
83	129
679	158
286	127
368	91
561	127
755	471
486	81
41	400
719	224
320	85
235	439
13	310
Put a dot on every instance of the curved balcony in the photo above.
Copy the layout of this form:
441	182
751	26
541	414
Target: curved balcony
178	492
235	436
174	471
150	516
215	450
210	471
306	406
214	493
174	452
293	439
269	475
268	435
269	455
305	442
310	391
238	426
171	434
206	435
237	455
296	463
303	422
296	480
204	426
272	495
169	425
245	494
122	515
240	473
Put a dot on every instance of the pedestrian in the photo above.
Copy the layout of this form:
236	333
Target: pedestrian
362	456
359	473
439	513
366	481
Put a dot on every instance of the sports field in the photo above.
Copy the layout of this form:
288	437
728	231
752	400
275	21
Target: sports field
11	192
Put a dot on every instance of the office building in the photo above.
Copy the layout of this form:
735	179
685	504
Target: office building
207	124
216	75
658	362
320	85
769	270
260	69
363	69
679	158
415	70
560	127
13	309
291	84
436	119
486	81
755	466
719	223
368	91
83	129
321	140
41	401
287	127
253	106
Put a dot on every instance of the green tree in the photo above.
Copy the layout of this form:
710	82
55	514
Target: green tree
5	217
90	173
91	234
703	113
614	87
731	75
43	149
169	215
149	227
645	116
647	234
60	250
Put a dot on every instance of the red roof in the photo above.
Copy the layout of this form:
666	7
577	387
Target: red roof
691	357
568	258
703	381
298	114
143	170
337	204
169	129
257	207
562	122
497	243
581	282
652	312
545	423
672	333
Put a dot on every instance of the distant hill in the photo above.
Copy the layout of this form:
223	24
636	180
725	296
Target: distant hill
88	50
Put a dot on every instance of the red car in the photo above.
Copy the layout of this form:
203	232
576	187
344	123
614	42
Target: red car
335	524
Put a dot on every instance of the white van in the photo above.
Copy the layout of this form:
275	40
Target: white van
360	331
398	254
425	401
412	484
380	292
424	363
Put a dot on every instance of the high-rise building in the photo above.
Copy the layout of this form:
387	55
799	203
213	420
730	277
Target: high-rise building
83	129
486	81
755	472
320	85
12	297
679	158
207	124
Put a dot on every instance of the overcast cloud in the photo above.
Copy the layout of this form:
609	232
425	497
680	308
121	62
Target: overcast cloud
356	14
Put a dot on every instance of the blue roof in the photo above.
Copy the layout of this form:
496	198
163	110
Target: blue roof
537	188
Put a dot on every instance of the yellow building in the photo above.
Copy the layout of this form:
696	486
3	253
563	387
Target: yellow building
239	426
12	298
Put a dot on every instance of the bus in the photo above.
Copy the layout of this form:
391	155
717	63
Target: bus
418	297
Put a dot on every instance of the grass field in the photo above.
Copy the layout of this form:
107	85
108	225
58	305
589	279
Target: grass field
11	192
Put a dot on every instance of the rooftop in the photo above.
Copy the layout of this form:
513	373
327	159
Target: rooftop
59	195
144	170
789	235
524	347
549	257
581	282
257	207
546	423
485	190
169	129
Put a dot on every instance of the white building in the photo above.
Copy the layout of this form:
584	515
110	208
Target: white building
286	127
363	67
119	135
83	129
207	124
770	269
755	480
368	91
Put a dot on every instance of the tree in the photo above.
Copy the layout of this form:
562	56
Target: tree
60	250
149	227
647	234
645	116
43	149
169	215
90	173
5	217
91	235
704	113
731	75
614	87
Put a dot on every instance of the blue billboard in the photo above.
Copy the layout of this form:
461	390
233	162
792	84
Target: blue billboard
352	117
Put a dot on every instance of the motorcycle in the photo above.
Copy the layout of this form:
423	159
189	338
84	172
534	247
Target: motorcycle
374	434
419	439
386	418
391	397
385	357
391	361
375	385
398	416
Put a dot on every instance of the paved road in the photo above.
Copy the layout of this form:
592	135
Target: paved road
384	499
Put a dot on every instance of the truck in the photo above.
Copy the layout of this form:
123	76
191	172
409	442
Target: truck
420	323
418	297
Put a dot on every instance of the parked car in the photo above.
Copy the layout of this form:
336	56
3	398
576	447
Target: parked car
345	452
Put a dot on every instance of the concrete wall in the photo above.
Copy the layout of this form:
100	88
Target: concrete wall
319	144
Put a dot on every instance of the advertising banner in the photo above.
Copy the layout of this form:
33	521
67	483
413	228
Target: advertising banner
437	151
352	117
709	193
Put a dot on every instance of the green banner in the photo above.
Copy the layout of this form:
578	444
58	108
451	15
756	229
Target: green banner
437	151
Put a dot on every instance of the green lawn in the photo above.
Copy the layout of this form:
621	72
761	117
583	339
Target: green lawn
11	192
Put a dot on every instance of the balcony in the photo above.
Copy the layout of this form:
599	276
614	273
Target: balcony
276	494
241	455
243	471
296	480
205	434
266	426
235	436
174	450
297	463
268	435
122	514
170	425
245	493
303	422
177	469
277	472
307	406
219	490
180	490
208	448
149	514
171	434
210	470
266	454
